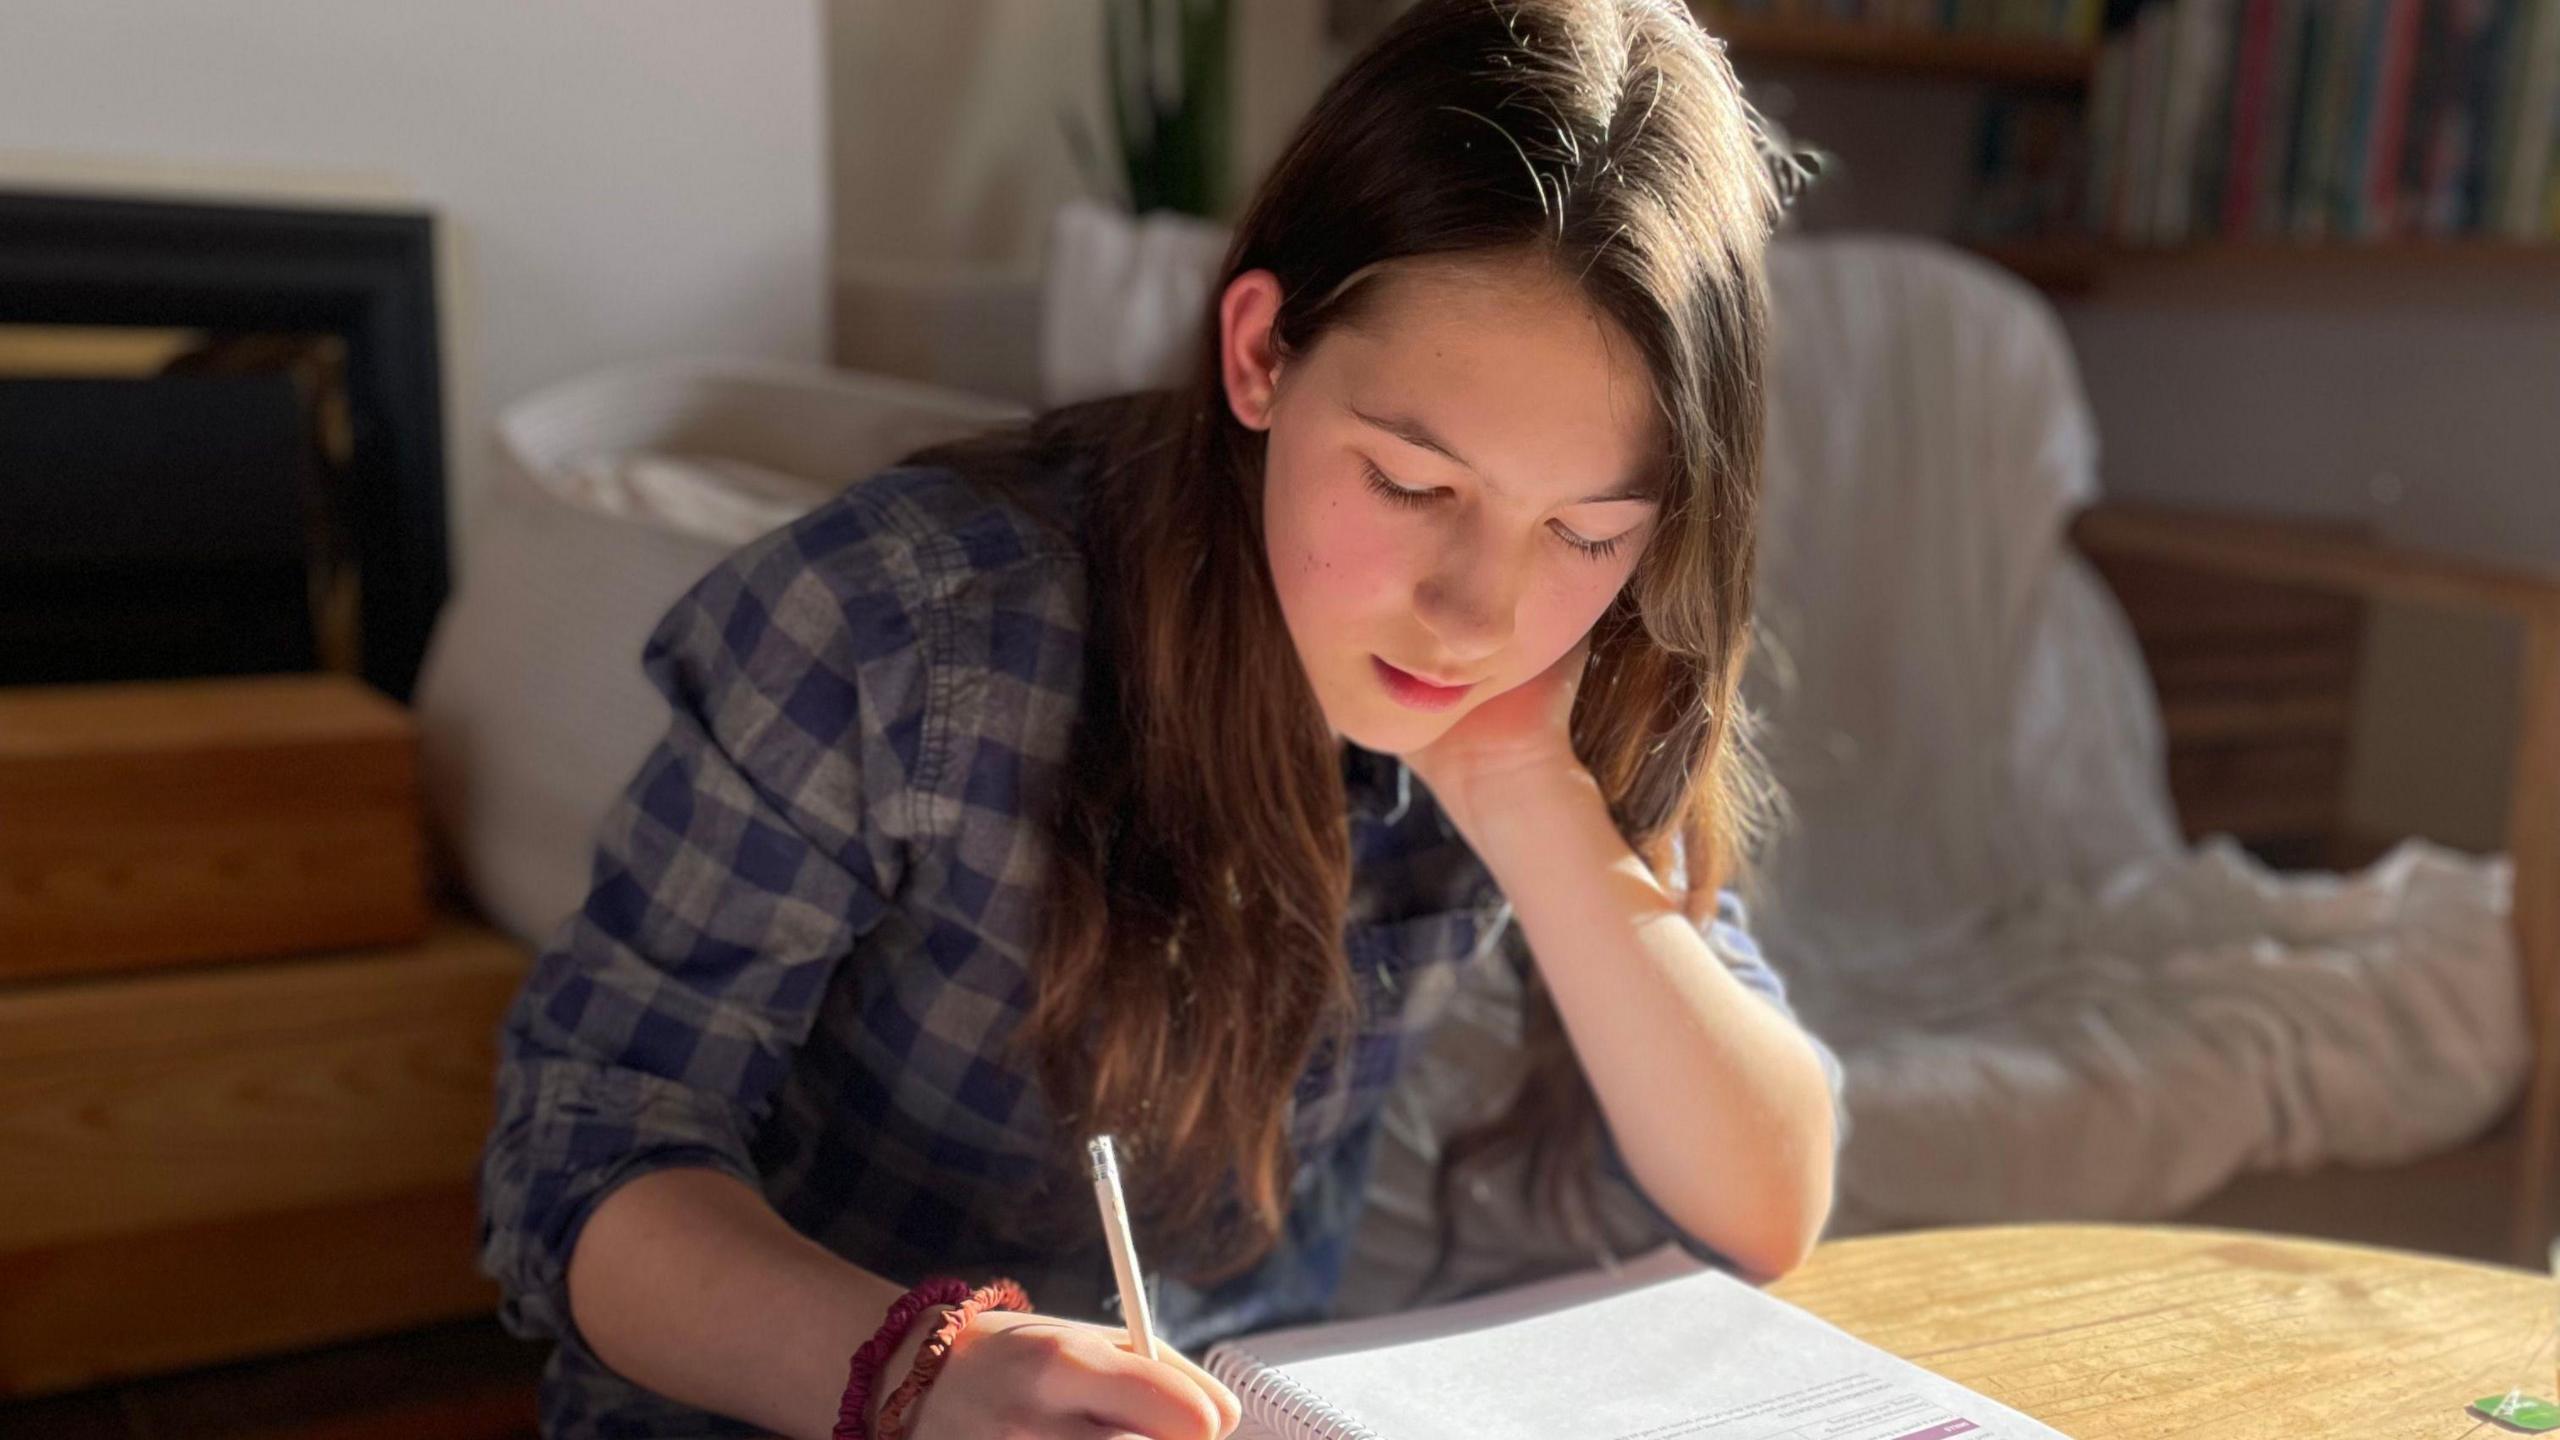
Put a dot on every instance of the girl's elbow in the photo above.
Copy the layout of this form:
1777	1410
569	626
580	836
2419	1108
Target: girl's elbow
1811	1213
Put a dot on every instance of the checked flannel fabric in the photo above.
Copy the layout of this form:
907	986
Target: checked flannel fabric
809	924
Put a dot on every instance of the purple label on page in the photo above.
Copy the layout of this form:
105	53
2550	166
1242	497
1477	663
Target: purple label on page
1941	1432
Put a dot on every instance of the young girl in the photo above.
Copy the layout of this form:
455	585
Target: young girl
1139	769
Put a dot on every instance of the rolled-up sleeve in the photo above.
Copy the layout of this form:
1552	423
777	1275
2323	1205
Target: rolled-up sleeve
757	842
1728	936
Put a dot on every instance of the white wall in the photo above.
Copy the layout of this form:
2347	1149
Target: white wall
947	156
950	154
617	178
950	148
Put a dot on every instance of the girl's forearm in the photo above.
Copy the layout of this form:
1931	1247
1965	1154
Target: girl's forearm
687	1282
1718	1103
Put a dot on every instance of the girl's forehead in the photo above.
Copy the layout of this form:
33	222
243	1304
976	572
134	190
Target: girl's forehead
1512	370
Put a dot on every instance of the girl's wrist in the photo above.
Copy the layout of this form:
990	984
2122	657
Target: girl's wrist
1511	813
869	1372
897	1413
899	1362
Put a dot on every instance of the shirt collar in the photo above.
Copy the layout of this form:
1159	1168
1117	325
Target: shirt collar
1378	786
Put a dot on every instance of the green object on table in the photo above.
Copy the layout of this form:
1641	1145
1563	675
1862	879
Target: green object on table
2521	1412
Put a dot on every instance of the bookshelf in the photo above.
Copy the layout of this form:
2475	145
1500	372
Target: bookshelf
2405	67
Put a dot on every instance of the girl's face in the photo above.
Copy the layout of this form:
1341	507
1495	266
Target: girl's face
1454	489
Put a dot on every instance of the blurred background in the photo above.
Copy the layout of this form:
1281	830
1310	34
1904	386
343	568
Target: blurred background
2162	637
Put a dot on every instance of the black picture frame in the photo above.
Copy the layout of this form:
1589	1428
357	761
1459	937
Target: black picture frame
367	275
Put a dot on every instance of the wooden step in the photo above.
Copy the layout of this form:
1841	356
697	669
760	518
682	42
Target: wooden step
225	1161
165	823
137	1103
87	1312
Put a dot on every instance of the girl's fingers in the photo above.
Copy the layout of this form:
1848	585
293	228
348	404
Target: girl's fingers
1229	1411
1123	1391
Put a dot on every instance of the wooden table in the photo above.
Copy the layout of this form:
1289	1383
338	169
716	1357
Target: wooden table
2161	1330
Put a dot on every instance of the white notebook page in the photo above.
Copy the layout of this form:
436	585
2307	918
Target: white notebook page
1663	1349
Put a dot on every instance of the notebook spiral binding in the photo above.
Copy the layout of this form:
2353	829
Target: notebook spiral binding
1275	1400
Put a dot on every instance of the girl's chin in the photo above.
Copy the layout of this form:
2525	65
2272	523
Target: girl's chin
1390	729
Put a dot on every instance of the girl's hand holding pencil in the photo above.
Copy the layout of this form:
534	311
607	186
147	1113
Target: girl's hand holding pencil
1021	1373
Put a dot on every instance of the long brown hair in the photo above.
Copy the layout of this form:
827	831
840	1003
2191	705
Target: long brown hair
1191	958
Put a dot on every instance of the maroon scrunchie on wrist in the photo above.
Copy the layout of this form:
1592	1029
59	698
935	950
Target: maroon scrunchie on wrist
864	1373
897	1410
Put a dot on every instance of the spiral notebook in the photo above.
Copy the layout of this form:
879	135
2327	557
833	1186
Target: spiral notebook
1661	1348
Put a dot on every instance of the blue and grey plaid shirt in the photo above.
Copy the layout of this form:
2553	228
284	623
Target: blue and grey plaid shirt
810	926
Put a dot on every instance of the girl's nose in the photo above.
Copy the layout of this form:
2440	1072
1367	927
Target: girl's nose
1467	599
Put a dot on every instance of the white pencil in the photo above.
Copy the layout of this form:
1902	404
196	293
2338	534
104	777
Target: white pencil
1124	1250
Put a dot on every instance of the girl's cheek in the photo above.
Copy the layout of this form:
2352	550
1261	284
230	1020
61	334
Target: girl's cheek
1359	559
1374	561
1301	526
1571	603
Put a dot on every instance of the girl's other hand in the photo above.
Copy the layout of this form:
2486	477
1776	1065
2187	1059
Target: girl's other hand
1523	733
1021	1373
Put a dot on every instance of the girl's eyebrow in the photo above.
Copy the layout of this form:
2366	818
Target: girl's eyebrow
1414	432
1411	432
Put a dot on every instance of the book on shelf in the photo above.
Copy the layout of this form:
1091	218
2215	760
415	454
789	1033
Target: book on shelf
2197	58
2523	156
2305	120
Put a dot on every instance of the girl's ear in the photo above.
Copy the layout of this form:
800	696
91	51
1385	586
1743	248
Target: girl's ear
1248	363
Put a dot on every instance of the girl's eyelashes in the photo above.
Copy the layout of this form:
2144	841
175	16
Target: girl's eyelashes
1392	492
1395	494
1596	549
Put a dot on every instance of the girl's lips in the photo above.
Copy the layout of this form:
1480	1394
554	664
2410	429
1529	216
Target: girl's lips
1418	693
